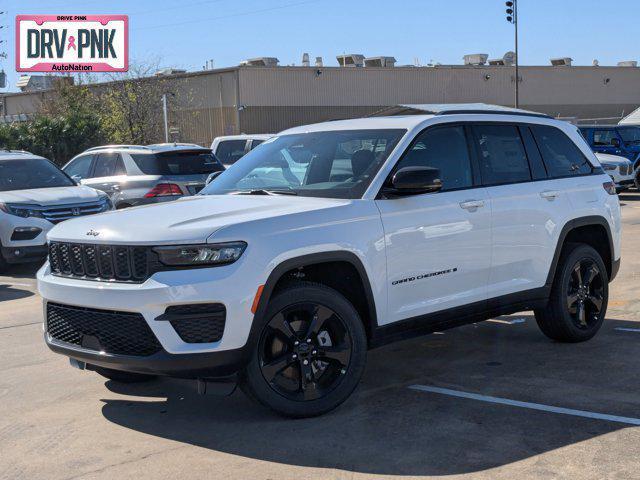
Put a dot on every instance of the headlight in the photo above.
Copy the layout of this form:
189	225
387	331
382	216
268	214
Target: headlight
20	210
194	255
609	166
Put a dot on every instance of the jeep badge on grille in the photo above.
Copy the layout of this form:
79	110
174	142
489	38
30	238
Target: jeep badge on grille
93	233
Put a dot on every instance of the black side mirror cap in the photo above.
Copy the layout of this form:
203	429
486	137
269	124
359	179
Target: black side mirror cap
414	181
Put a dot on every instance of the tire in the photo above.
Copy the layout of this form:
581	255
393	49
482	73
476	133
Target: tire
122	206
3	264
122	377
306	322
578	303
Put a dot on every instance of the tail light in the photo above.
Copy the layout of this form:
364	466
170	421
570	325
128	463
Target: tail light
610	188
164	190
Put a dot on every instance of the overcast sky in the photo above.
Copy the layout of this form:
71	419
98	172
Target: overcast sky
185	34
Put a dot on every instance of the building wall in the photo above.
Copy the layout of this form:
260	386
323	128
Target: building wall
267	100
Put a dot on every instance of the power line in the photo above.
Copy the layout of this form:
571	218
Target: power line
241	14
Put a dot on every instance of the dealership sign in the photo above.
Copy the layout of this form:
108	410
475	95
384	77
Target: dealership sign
72	43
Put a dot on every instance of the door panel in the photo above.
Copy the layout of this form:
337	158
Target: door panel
438	251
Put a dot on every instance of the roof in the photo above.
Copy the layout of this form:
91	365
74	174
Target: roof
153	148
17	155
409	116
399	122
452	108
246	136
632	119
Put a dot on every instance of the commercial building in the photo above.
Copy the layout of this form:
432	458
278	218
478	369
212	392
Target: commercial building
262	99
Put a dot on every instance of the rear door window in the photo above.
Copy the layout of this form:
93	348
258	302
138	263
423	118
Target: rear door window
105	165
561	156
501	154
178	163
230	151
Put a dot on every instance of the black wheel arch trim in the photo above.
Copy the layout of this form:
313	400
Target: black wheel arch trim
577	223
305	261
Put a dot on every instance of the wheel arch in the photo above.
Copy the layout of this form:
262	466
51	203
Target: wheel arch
592	230
314	262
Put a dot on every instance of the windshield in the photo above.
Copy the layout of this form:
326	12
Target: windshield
31	173
178	163
334	164
630	135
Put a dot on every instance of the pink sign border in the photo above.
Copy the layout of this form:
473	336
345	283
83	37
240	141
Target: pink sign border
46	67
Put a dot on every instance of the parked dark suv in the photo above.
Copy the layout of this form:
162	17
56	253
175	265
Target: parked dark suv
136	175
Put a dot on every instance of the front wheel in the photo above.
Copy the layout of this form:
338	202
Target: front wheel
579	296
311	352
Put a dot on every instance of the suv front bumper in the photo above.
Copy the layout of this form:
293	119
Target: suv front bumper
150	300
194	365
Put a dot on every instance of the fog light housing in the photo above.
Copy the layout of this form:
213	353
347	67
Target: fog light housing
25	233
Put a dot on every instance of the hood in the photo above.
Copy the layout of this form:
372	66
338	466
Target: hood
611	159
51	196
188	220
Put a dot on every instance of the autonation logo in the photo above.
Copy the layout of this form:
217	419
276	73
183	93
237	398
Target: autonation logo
72	43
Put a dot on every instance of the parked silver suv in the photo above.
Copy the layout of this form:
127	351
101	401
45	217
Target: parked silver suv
136	175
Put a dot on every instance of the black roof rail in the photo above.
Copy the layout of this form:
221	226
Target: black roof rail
493	112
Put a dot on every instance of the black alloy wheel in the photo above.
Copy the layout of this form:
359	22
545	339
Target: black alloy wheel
585	295
305	351
579	296
310	352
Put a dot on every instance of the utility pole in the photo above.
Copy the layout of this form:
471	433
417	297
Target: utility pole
166	121
512	17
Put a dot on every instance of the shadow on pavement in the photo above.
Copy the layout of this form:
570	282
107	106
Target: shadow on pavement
23	270
386	428
7	292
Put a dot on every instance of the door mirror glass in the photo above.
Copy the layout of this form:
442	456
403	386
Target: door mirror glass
415	180
212	176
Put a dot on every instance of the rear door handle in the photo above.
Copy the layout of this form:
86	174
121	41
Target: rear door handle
472	204
549	194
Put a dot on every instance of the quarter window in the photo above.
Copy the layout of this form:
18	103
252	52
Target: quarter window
502	155
446	149
561	156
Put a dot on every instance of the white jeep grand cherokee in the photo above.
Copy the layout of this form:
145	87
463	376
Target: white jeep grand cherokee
334	238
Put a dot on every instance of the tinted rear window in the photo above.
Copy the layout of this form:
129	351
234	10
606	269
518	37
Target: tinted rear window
177	163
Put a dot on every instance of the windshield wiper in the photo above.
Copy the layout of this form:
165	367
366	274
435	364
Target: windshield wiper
260	191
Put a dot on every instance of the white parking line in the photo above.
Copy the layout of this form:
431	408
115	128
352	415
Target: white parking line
529	405
622	329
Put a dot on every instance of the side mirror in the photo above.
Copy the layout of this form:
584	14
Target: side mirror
615	142
77	179
212	176
415	180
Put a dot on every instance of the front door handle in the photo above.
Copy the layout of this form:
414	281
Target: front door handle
549	194
472	204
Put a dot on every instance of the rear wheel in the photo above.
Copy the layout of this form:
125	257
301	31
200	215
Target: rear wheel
579	296
3	263
122	377
311	352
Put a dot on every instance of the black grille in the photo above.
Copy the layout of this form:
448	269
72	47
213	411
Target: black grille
197	323
120	333
100	262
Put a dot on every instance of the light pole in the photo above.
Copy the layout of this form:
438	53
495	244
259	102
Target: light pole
166	121
512	17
